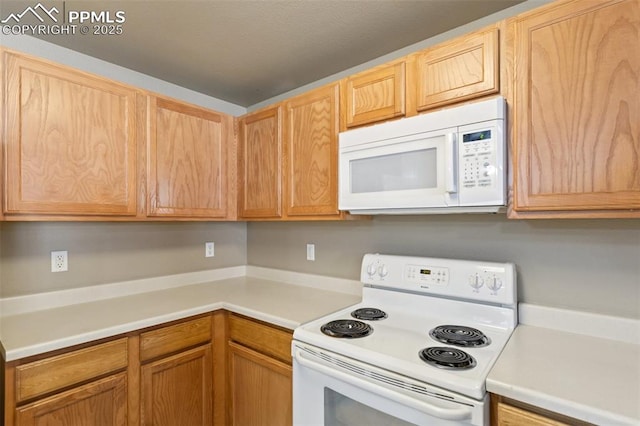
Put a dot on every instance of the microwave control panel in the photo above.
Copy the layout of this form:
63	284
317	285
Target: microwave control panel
481	164
478	159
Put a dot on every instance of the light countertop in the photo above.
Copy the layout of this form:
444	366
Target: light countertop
589	378
286	305
592	379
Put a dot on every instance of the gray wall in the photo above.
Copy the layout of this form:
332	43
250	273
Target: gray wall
588	265
101	253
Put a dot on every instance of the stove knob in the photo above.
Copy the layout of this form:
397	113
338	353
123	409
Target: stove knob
495	284
371	270
475	281
383	271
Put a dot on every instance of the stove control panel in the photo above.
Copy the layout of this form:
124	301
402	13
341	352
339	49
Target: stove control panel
473	280
425	274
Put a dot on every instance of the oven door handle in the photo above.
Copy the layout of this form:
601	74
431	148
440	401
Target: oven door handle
458	413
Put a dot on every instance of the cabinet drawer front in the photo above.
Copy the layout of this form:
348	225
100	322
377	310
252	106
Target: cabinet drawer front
262	338
47	375
174	338
99	403
509	415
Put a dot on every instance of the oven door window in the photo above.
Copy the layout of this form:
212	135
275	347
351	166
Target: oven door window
340	410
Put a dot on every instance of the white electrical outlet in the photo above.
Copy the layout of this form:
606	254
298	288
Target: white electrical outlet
311	252
59	261
209	249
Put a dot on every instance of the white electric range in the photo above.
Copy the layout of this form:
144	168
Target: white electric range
416	351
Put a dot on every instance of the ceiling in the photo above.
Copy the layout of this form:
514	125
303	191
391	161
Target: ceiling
245	52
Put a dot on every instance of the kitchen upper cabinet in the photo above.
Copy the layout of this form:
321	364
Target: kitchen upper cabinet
464	68
70	141
260	164
176	377
576	121
77	387
189	153
311	154
259	373
374	95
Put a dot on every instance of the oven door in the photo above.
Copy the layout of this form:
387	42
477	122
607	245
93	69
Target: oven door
413	171
332	390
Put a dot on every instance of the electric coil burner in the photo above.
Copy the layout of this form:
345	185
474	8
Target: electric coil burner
370	314
459	335
416	350
450	358
346	328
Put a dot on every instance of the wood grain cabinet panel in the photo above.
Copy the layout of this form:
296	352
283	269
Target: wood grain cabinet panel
260	386
188	148
173	338
70	143
260	164
577	109
464	68
178	390
267	339
103	402
311	153
50	374
374	95
513	416
509	412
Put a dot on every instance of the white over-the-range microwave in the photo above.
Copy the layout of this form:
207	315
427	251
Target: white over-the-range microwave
448	161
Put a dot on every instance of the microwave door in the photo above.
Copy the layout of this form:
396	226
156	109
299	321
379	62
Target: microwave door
416	171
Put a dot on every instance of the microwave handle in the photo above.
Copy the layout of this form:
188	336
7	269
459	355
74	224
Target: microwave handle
457	413
451	162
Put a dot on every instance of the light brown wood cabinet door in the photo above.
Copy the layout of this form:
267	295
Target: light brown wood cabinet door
187	160
374	95
260	164
311	153
464	68
261	389
577	108
103	402
70	141
178	390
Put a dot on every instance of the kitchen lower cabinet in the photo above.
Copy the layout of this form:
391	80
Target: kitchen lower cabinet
177	378
178	389
78	387
576	126
507	412
103	402
260	388
259	373
218	368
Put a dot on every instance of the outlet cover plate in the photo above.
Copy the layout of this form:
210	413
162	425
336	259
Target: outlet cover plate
59	261
209	249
